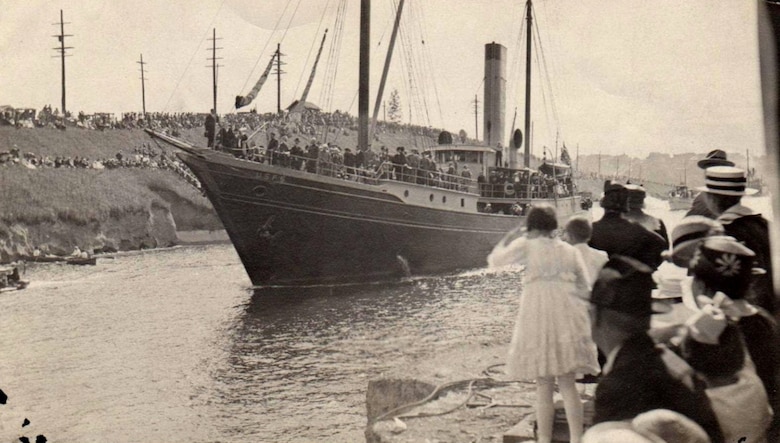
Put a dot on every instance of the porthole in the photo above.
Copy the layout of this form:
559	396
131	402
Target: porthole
444	199
259	190
462	202
431	197
406	193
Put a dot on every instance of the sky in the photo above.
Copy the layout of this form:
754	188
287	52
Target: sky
612	77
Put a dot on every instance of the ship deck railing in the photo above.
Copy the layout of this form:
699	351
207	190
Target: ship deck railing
405	173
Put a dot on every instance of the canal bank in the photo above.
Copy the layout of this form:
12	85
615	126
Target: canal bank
473	401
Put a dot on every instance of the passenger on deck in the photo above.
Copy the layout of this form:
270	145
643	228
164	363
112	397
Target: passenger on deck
312	154
296	155
349	163
399	163
466	178
413	161
271	152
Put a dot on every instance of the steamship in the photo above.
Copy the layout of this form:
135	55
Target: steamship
295	227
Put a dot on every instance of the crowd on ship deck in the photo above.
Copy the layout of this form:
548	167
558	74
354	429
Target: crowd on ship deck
677	329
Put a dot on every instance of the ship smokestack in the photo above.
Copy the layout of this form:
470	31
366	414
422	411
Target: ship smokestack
495	97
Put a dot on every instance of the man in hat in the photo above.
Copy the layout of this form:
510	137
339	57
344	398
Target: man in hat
635	378
616	235
716	157
399	163
349	163
723	192
270	152
296	155
636	213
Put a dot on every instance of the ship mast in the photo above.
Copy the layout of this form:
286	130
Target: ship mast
365	42
527	152
386	68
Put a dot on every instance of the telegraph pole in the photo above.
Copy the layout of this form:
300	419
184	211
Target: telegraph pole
214	65
476	124
279	73
61	37
143	86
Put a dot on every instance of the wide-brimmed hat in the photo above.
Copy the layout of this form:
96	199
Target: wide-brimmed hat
715	157
724	264
687	235
615	196
726	180
625	285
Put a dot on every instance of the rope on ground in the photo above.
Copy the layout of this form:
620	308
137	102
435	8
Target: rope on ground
470	383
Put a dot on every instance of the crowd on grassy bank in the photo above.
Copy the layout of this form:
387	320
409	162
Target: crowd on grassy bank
310	122
144	156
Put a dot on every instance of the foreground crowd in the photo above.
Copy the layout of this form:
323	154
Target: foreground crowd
700	365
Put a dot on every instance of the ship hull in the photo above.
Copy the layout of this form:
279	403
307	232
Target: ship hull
295	228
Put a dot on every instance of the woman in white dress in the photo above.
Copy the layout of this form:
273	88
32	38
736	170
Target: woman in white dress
551	339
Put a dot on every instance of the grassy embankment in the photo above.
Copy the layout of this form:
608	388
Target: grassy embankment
126	208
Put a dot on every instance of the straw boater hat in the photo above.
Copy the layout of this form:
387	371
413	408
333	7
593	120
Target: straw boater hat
714	158
726	180
687	235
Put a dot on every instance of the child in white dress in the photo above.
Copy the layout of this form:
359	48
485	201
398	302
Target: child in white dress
551	339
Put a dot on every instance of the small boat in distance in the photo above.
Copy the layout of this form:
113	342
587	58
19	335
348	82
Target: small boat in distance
298	221
681	198
81	261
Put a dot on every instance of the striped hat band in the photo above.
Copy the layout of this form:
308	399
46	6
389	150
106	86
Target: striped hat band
726	180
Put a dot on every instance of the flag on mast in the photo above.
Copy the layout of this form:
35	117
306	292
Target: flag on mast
565	158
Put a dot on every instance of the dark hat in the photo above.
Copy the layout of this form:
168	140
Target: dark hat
615	196
723	264
716	157
636	196
400	148
626	285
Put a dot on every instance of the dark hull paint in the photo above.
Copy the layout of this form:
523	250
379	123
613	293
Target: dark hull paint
294	228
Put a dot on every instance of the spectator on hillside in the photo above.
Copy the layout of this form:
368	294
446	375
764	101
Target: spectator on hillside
211	126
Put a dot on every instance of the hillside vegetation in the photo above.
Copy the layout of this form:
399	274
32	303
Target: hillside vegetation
57	209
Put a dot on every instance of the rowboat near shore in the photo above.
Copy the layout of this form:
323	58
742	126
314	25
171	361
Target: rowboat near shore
11	280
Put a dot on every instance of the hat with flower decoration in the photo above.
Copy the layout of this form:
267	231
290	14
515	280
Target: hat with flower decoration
724	264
